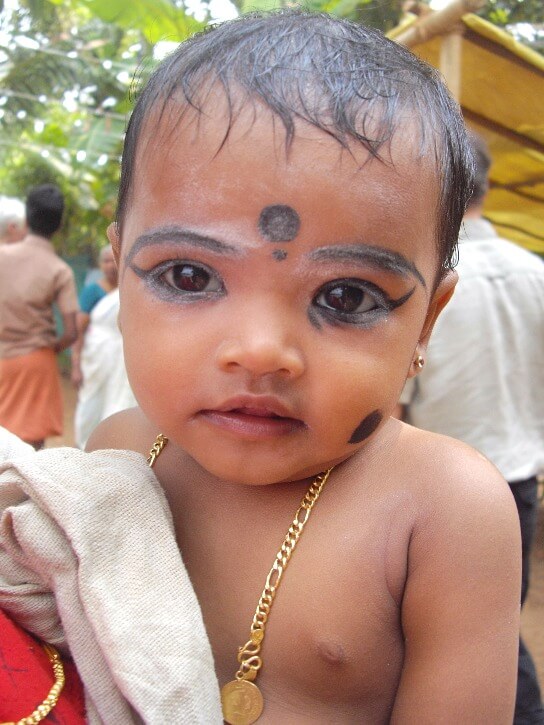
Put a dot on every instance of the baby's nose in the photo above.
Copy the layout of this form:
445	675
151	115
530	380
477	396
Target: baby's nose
261	348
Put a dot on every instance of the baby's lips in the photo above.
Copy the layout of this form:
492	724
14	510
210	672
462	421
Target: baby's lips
264	406
257	412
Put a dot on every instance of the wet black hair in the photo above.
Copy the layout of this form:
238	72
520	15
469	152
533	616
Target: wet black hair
345	79
44	209
482	164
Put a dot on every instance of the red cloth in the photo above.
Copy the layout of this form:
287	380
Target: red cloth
26	676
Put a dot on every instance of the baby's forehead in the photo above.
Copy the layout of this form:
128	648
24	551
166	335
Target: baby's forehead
220	123
210	162
251	189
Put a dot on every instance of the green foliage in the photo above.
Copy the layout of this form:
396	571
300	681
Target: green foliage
66	77
523	18
250	6
376	13
156	19
508	12
28	172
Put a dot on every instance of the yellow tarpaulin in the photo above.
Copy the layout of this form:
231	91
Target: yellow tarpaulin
501	91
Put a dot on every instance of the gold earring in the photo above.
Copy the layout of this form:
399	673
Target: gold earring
419	362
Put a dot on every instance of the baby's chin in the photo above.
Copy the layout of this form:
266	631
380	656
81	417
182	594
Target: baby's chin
256	476
240	472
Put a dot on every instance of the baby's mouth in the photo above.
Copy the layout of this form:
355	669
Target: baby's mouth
254	422
257	412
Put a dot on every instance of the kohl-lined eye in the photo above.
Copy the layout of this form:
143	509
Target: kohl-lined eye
353	302
181	281
346	298
351	298
187	277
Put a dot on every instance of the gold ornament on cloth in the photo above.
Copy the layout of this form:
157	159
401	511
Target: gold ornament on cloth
52	698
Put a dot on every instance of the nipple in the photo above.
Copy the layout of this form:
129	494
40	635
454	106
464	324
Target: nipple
332	652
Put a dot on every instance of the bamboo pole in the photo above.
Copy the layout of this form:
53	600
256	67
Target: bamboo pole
440	22
451	55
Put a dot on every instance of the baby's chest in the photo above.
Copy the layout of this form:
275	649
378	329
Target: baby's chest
332	635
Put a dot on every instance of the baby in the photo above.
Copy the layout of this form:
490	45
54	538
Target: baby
291	195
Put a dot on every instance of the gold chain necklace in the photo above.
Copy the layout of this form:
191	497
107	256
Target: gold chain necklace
241	699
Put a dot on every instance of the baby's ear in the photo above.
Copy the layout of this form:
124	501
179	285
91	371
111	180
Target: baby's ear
113	236
440	299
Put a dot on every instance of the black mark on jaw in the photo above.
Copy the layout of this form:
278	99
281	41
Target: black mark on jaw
279	254
366	427
279	223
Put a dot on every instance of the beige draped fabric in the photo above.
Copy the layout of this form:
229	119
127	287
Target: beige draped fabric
89	562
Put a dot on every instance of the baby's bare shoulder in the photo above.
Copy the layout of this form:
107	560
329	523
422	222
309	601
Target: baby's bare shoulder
443	468
455	487
433	483
127	430
428	471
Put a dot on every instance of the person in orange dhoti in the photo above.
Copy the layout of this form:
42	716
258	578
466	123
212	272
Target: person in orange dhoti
32	279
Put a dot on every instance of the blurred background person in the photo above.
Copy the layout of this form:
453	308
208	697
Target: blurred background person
98	368
32	279
483	380
93	291
12	220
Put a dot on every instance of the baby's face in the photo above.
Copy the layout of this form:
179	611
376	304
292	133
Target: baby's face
271	305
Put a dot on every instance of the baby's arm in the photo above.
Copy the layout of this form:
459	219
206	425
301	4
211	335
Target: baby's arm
460	611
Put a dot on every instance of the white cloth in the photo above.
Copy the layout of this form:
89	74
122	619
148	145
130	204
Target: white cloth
105	389
89	563
483	381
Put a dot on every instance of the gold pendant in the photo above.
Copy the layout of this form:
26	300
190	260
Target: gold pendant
242	702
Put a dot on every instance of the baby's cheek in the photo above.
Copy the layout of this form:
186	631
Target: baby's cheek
138	375
357	402
146	365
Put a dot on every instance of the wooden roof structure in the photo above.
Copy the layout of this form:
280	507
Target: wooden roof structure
499	84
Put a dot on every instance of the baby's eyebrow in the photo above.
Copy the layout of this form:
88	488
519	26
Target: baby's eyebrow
368	255
185	237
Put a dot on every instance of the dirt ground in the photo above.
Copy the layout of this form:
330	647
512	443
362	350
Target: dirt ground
532	618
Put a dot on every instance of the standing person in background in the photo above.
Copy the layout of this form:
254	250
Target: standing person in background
98	367
32	279
94	291
483	380
12	220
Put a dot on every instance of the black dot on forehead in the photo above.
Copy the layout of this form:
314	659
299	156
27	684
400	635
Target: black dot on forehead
279	223
279	254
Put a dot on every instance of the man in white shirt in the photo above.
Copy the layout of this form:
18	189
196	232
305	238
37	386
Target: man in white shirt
483	380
